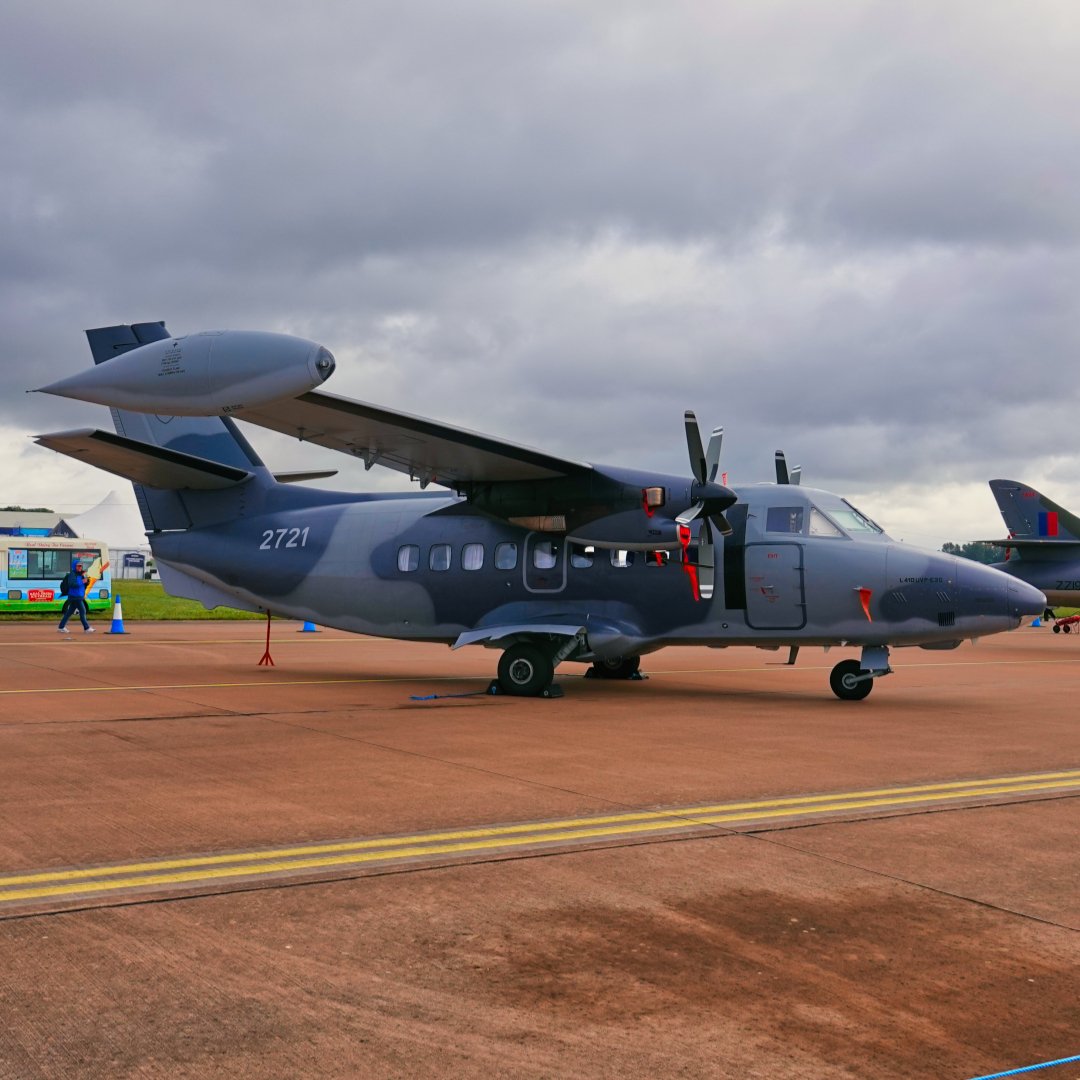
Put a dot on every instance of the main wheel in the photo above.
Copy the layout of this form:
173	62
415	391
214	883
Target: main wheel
525	670
843	681
618	667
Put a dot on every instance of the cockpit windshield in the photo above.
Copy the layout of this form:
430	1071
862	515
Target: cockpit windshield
853	521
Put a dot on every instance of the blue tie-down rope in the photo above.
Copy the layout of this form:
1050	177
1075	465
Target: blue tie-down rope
435	697
1028	1068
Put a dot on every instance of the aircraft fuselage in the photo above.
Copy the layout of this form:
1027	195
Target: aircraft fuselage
429	567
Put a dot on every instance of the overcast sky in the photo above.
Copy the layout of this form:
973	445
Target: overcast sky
845	229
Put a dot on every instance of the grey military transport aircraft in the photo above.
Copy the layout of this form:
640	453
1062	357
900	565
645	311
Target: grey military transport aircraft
548	559
1043	544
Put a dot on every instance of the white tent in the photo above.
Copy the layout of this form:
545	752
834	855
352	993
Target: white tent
115	520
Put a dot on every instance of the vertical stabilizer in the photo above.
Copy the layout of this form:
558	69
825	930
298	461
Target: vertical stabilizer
213	437
1030	515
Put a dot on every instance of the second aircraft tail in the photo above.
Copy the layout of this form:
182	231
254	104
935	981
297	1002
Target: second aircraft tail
1030	515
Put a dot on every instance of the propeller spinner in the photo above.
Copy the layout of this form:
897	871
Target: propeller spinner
712	499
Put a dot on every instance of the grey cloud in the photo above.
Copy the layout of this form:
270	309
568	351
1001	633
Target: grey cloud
850	230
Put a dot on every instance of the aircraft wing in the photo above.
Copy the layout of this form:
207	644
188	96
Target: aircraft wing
424	449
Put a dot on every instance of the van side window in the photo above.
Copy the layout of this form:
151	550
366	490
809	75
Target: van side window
408	558
439	557
505	556
472	557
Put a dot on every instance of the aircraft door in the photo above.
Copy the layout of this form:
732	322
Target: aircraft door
545	563
775	593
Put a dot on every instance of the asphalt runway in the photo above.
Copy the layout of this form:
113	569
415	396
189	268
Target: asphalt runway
355	863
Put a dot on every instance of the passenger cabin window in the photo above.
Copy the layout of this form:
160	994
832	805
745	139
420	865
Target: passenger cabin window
472	557
408	558
658	558
545	554
581	557
784	519
820	525
439	557
622	558
505	556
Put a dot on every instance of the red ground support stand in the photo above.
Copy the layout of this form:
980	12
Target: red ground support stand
1066	624
267	659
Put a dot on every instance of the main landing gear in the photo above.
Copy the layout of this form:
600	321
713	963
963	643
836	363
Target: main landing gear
616	667
527	667
525	670
852	680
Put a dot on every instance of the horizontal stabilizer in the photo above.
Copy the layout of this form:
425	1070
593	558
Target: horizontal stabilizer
1023	543
300	477
143	463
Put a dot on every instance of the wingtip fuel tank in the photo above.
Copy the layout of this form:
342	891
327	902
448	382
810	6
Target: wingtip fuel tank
205	374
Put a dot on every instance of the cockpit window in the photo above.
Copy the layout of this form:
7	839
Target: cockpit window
853	521
820	525
784	519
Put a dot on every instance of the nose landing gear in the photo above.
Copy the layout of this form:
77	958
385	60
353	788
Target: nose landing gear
852	680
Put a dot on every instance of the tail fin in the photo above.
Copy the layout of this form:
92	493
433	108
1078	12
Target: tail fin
211	438
1030	515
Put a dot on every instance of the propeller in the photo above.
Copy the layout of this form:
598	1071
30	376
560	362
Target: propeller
783	476
712	499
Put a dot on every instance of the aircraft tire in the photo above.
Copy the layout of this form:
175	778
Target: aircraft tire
842	681
525	670
617	667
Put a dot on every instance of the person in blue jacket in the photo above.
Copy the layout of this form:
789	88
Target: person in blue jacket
76	599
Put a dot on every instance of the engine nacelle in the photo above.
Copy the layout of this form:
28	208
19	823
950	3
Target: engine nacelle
628	531
207	374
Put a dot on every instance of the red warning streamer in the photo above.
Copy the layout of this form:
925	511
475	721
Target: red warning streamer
688	567
864	599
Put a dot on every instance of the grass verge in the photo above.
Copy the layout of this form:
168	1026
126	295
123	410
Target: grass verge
144	601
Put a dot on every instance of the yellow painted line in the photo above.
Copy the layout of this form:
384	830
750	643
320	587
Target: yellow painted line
387	849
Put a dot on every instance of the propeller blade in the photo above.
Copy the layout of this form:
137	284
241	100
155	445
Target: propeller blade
712	455
688	515
723	526
781	468
693	444
706	561
783	474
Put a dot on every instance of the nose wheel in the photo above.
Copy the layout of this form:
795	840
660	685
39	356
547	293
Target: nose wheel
852	680
849	682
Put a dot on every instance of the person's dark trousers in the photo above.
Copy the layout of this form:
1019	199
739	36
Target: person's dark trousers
73	605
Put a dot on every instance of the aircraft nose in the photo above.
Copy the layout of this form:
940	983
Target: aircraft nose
1025	599
987	591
